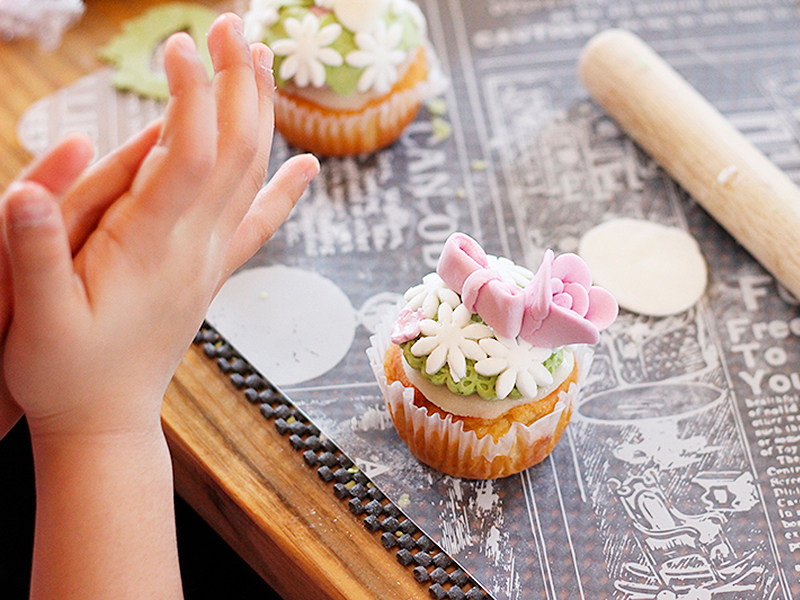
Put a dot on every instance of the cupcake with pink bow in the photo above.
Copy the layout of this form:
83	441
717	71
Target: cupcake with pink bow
350	74
482	364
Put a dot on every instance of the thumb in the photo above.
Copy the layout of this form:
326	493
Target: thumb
39	254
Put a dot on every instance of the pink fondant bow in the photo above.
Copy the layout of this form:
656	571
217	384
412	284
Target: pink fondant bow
559	306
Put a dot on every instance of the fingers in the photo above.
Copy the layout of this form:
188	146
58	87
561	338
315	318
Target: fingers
104	183
61	165
210	136
38	254
177	168
265	81
253	179
236	95
270	209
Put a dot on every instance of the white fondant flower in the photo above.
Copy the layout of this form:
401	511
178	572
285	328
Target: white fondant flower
510	271
429	294
324	4
379	53
306	50
261	15
400	7
516	363
359	15
450	340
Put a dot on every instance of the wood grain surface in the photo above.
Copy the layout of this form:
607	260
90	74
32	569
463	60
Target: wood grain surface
231	464
242	476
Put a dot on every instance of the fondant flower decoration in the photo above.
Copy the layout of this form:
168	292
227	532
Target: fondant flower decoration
562	305
422	302
509	271
451	340
516	363
406	326
359	15
429	294
379	55
307	50
559	306
262	15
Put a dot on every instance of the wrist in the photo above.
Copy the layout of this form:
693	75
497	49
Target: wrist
133	420
105	515
143	442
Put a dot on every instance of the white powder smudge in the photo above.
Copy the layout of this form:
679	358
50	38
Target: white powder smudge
486	498
493	545
487	506
375	418
456	534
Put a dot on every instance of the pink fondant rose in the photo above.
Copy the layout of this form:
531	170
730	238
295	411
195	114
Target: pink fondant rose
406	327
559	306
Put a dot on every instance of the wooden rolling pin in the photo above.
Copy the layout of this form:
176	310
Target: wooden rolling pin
739	186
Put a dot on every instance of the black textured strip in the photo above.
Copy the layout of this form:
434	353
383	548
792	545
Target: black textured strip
427	561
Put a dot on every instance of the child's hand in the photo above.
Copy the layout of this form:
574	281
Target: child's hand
56	171
110	281
154	238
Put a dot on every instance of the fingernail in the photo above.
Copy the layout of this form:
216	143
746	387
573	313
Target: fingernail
236	23
264	60
267	57
312	170
27	205
230	20
185	43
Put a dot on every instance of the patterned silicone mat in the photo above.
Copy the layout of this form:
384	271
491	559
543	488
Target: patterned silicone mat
677	478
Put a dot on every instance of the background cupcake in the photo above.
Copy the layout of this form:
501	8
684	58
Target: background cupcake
482	364
351	74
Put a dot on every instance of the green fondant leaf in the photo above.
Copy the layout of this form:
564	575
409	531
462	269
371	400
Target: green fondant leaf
132	52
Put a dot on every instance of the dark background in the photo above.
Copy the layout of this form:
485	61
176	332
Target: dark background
208	565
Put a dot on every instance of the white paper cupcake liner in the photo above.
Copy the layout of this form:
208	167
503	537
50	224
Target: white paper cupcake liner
430	437
339	133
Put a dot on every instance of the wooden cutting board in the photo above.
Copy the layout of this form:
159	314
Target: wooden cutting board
245	478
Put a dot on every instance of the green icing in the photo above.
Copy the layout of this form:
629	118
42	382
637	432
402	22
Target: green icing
473	382
555	360
342	79
411	34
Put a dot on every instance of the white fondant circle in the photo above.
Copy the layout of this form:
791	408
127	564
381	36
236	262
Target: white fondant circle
651	269
291	324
